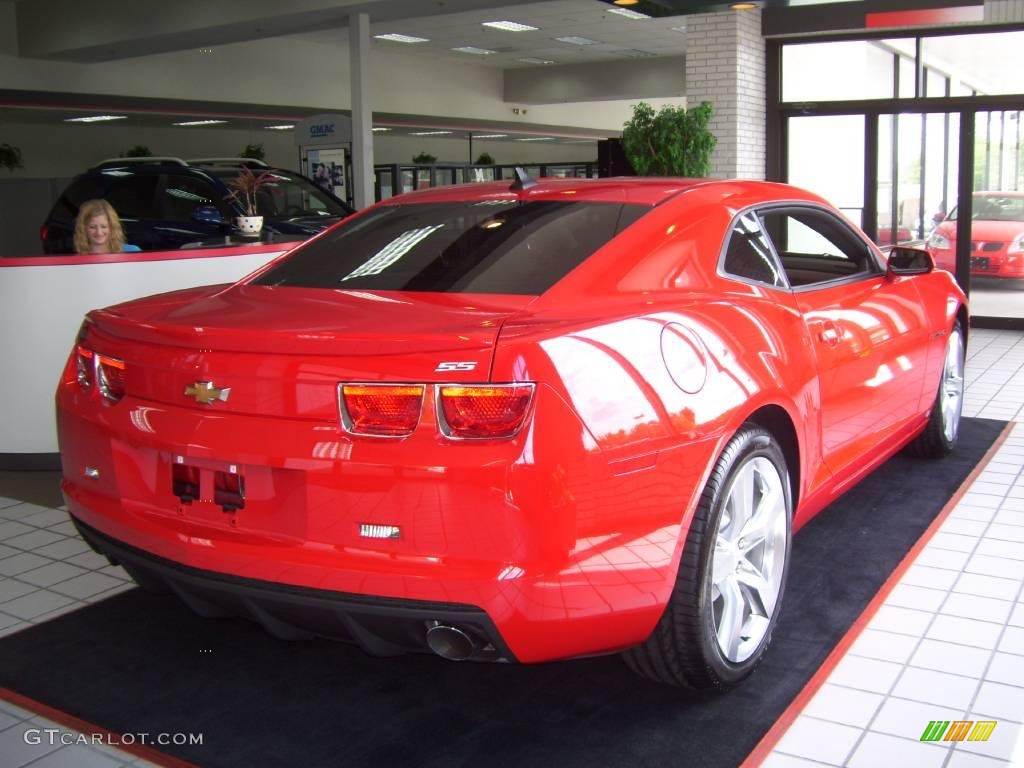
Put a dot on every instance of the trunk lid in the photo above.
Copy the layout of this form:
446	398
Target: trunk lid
282	351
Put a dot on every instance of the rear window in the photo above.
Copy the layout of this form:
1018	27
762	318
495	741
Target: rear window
133	196
494	246
82	188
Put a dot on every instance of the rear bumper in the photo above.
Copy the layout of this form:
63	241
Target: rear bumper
380	626
562	554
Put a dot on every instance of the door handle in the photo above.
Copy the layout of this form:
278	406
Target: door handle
830	334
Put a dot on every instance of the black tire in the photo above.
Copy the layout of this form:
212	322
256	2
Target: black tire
685	649
942	431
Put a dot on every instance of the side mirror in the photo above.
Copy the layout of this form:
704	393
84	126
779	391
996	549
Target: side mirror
905	261
208	214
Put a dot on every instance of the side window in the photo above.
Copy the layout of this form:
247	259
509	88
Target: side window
817	247
133	197
749	255
181	195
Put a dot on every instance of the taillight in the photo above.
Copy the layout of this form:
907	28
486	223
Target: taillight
84	365
486	412
110	377
380	410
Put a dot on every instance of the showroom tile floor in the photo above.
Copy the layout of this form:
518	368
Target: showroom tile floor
948	644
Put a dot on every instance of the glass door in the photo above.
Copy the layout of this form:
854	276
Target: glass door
995	225
918	156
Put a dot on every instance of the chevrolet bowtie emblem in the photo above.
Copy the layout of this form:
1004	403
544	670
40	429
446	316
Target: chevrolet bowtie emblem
205	392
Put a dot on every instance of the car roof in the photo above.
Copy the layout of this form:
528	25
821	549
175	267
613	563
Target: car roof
643	190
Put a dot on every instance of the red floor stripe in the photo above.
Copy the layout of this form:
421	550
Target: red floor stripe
786	719
110	738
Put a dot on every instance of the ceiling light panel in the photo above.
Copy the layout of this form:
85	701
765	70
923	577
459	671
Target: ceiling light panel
278	127
201	122
430	133
474	50
95	118
574	40
509	26
537	138
490	135
628	13
397	38
531	60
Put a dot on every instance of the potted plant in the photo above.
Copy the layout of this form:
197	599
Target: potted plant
139	150
424	158
485	159
244	187
10	157
671	142
254	152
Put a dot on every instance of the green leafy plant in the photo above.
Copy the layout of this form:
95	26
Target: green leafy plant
10	157
485	159
424	158
139	150
254	152
671	142
245	185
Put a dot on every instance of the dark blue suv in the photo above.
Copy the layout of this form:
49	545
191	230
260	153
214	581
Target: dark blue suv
167	203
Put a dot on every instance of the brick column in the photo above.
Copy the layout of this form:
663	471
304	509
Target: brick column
725	64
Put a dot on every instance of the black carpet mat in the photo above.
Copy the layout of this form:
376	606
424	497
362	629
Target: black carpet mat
143	663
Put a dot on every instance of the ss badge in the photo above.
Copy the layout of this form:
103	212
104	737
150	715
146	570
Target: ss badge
451	366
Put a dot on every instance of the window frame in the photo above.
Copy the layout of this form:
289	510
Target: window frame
872	255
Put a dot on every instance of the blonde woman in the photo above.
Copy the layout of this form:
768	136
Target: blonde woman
98	230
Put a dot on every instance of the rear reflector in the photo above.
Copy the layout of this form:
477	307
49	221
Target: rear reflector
380	410
485	412
110	377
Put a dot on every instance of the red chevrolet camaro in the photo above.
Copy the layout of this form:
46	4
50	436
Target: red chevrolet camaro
514	422
997	236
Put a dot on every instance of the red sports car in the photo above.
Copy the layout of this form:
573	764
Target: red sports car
997	236
517	423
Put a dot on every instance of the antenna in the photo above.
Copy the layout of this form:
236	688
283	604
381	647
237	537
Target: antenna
523	180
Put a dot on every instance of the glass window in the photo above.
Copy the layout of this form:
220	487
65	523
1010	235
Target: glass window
935	83
846	70
134	196
908	77
826	154
456	247
817	247
749	255
81	189
981	63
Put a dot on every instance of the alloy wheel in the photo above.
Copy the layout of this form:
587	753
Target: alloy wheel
749	558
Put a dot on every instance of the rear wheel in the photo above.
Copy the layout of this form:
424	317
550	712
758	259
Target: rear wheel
940	434
719	619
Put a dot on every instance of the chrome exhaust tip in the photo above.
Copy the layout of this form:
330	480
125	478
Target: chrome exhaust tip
450	642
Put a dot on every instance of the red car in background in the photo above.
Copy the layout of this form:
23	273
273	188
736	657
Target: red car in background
519	423
997	236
